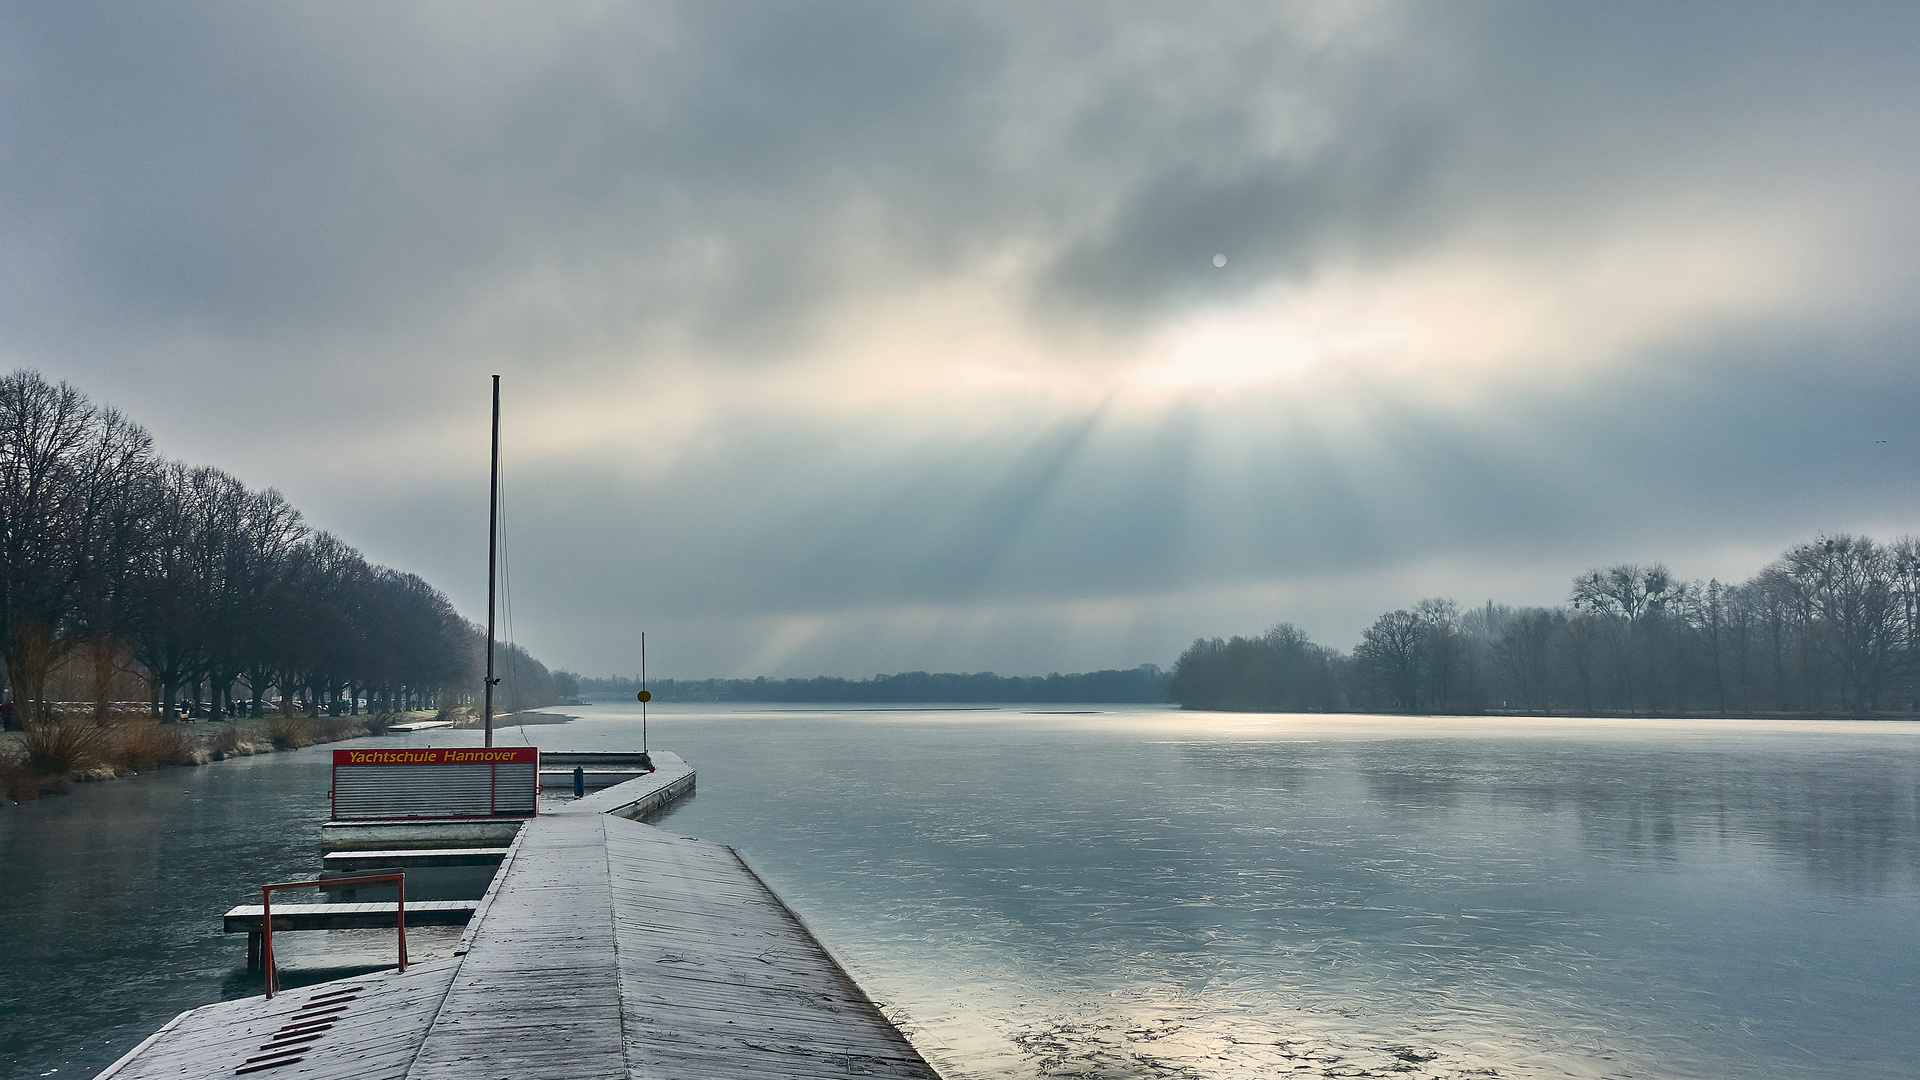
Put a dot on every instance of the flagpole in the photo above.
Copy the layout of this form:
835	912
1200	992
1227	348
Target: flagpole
493	534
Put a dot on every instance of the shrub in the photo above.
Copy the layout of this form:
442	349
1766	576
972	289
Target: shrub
141	745
378	723
334	730
55	748
227	742
290	732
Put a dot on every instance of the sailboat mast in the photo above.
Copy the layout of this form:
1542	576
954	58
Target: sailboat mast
493	533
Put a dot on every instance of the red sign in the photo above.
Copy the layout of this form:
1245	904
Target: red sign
441	755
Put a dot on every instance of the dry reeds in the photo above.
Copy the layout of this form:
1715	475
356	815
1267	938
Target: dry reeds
227	742
145	744
59	747
290	732
336	728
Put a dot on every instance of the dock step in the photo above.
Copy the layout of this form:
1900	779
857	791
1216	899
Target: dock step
246	918
337	836
592	778
405	857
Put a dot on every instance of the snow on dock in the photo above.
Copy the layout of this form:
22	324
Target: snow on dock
605	948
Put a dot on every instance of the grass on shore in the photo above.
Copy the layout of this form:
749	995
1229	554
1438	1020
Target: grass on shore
50	758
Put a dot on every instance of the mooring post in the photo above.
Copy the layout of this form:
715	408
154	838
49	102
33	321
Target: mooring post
579	781
253	949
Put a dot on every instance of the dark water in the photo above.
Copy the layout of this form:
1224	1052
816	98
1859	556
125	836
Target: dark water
110	904
1144	893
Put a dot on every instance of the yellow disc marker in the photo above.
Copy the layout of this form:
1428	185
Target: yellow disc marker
644	695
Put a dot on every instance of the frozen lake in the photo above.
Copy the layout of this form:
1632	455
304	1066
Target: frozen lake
1140	892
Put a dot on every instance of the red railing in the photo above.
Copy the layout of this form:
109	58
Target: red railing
399	879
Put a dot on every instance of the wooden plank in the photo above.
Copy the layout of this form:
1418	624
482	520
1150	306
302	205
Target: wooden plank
373	1038
695	929
547	939
597	758
372	860
391	836
247	918
593	779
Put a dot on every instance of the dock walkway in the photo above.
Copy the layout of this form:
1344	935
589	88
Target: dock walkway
605	948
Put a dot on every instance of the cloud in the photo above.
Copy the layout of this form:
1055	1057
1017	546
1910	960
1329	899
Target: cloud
850	330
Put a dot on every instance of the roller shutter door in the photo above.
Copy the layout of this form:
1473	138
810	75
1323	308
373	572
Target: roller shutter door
404	791
516	789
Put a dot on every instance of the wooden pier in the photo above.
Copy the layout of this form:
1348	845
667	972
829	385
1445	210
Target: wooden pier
415	835
374	915
406	858
598	768
604	948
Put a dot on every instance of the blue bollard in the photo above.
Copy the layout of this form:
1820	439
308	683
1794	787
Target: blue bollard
579	781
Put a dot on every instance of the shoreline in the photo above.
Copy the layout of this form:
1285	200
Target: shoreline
187	744
1861	716
184	744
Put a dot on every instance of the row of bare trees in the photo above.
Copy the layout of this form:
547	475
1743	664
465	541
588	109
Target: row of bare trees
1831	626
114	559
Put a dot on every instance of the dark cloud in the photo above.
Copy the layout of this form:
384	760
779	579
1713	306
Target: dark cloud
240	220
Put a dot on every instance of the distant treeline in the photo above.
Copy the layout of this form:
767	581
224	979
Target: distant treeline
117	564
1142	684
1831	626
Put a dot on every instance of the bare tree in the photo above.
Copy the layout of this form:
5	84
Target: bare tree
1848	588
1524	652
1389	651
1442	649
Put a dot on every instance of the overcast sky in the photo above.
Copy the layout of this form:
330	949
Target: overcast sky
842	338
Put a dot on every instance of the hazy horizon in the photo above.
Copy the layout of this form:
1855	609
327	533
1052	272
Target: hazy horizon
845	338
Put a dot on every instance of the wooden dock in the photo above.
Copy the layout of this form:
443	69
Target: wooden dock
604	948
246	918
598	768
407	858
338	836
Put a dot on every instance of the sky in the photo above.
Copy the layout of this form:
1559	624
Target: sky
845	338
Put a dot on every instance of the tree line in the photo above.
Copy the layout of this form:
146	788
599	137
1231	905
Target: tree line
1142	684
117	562
1830	627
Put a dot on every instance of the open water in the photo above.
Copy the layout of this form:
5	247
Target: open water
1138	892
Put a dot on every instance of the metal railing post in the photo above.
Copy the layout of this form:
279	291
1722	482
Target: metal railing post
271	976
400	916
